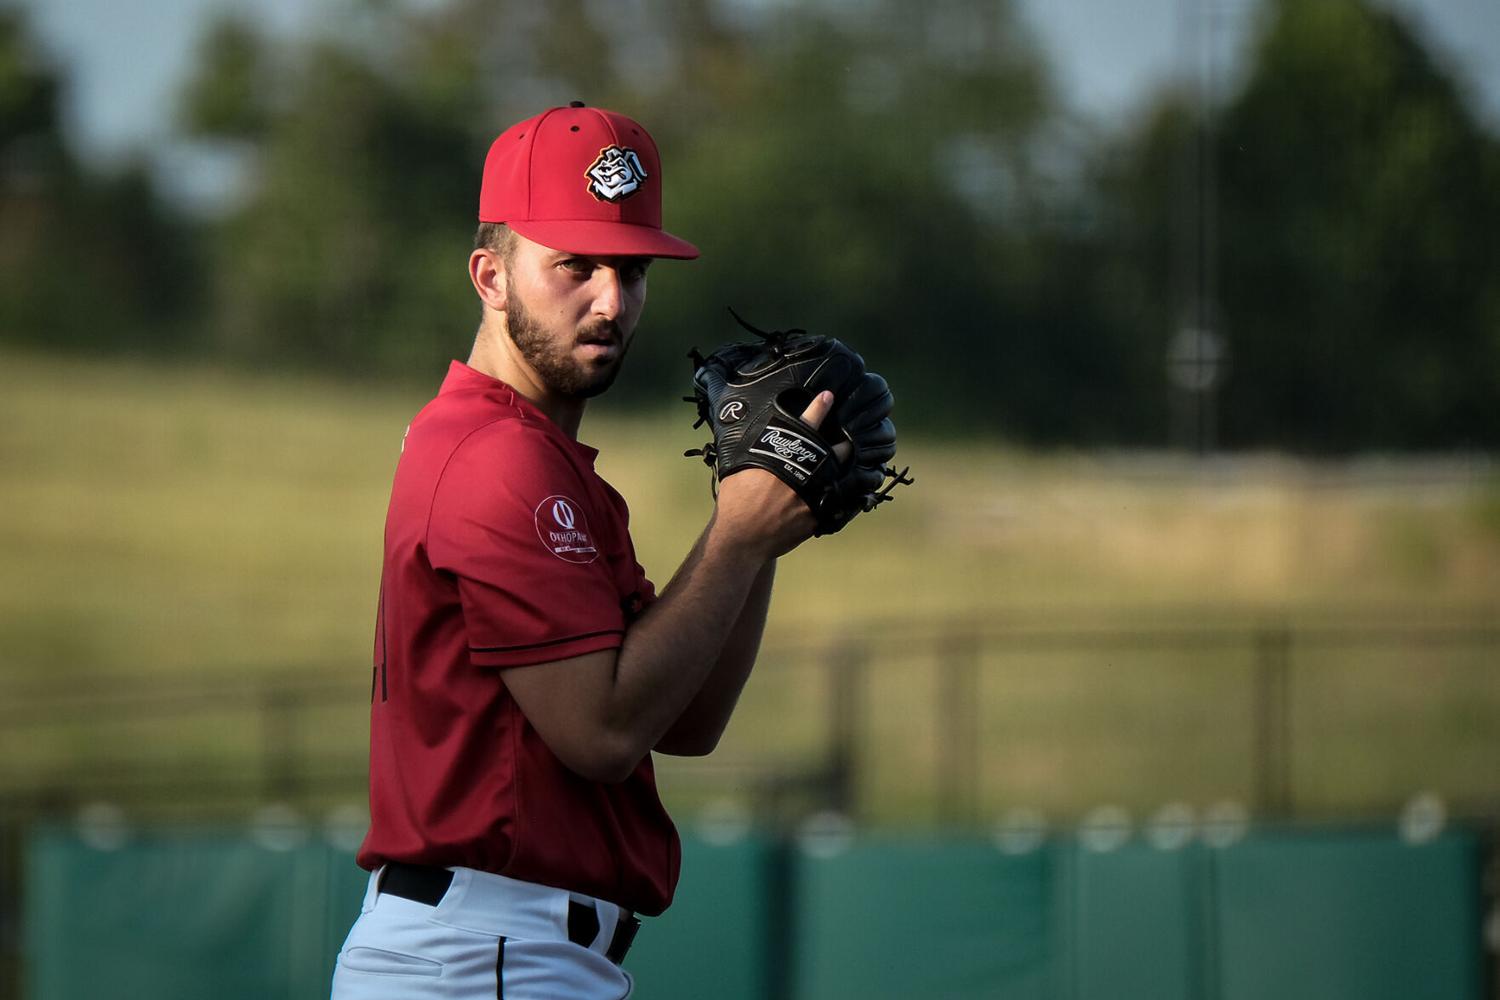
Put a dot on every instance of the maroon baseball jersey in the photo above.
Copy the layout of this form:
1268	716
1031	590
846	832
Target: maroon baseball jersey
503	547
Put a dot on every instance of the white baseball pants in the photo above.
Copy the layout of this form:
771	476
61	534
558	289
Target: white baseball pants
488	937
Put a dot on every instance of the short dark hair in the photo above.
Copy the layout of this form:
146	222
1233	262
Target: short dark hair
496	236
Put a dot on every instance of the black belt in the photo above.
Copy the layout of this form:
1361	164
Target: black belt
427	885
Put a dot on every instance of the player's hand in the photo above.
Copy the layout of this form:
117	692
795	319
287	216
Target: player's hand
759	511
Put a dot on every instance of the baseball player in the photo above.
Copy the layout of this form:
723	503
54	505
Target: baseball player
525	667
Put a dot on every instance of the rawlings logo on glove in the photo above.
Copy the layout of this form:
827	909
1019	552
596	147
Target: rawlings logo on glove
788	447
752	397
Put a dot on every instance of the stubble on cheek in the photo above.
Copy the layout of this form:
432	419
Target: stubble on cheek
551	356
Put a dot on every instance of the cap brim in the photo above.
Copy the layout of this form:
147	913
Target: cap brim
605	239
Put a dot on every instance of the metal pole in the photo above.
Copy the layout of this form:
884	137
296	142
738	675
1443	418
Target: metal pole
1195	355
1273	763
11	846
279	746
958	730
846	675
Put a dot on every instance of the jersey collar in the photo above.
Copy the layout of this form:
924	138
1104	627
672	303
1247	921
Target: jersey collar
463	378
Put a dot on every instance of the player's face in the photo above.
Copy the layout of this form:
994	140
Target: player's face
572	317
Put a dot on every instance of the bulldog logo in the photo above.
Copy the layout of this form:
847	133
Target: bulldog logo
616	174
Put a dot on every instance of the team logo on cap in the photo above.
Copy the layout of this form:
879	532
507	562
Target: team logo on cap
616	174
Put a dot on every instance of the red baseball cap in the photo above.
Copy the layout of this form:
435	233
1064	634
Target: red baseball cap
579	179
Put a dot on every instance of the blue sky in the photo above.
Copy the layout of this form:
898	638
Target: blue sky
127	57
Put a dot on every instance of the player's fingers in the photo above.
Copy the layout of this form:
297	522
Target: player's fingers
816	412
818	408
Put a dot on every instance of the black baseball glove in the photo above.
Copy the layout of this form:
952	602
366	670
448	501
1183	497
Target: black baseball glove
752	397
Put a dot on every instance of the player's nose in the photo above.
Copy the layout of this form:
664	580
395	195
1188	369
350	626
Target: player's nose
609	292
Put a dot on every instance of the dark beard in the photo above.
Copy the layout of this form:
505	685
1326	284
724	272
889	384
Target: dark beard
553	362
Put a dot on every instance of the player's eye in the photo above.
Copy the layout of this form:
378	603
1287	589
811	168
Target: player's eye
634	271
577	265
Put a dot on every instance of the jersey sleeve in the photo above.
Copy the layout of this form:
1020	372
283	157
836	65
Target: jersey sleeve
515	524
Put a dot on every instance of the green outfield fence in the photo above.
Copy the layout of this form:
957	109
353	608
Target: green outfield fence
1278	914
1025	725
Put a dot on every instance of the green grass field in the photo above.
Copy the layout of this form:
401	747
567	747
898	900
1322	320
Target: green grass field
190	522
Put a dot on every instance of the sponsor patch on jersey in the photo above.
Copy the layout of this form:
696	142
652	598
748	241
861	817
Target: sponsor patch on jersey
564	530
616	174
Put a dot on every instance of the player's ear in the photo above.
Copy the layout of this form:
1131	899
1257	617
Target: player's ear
487	272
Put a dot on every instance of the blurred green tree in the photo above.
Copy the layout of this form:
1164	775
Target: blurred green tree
868	173
1361	206
89	260
347	251
1358	204
229	93
905	176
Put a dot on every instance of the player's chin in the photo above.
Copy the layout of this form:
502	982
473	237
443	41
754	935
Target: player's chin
594	379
